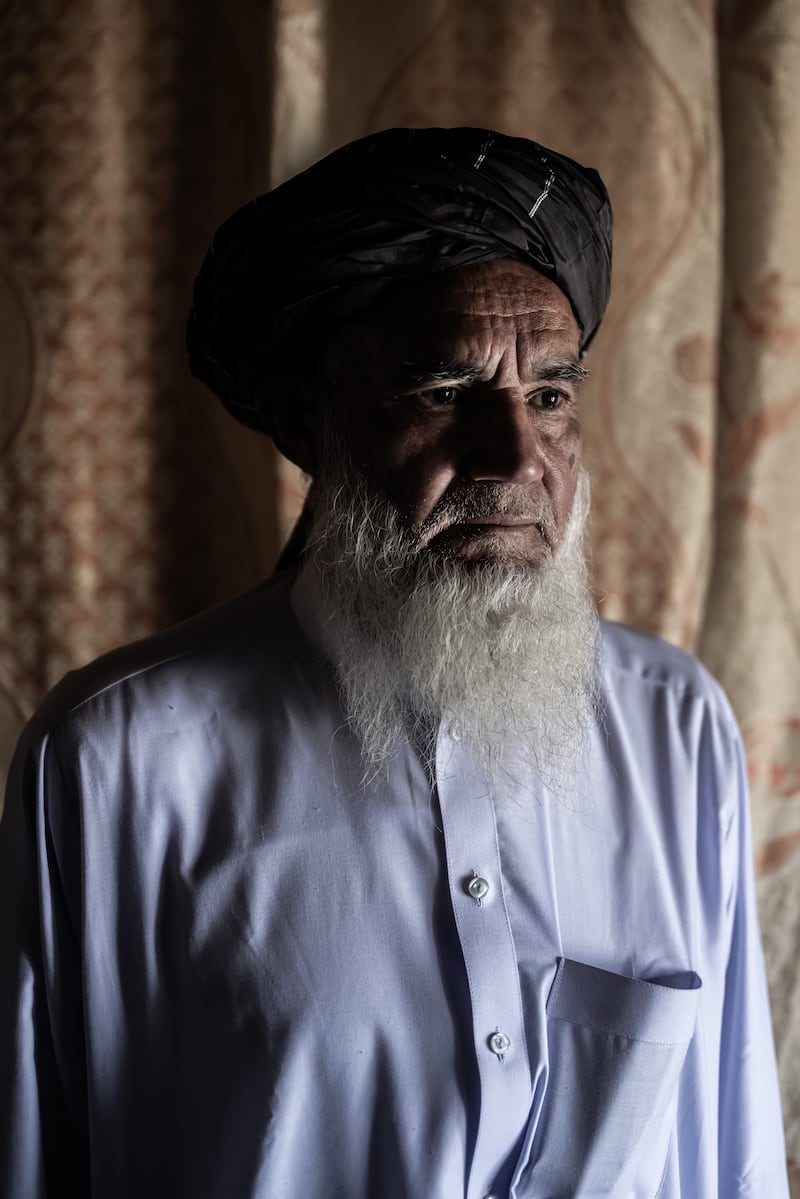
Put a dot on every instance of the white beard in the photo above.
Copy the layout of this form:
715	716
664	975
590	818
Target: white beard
505	650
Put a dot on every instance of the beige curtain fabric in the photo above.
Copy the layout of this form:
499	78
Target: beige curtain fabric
129	129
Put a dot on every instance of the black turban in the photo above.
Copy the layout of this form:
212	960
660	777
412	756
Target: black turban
396	204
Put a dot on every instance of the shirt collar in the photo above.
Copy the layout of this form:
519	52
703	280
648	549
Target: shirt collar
309	607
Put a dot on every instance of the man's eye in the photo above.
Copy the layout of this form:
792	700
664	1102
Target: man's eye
438	397
549	399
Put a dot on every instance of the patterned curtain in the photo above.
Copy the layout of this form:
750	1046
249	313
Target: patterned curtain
130	128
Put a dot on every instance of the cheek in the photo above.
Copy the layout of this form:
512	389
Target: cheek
571	443
575	453
565	464
408	466
414	479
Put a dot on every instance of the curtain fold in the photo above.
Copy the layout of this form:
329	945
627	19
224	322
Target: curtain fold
750	634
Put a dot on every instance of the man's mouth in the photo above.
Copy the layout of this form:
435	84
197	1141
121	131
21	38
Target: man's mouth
489	516
501	526
502	523
502	520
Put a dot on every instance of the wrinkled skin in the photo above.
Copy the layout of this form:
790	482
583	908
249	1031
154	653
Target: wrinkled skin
457	397
462	379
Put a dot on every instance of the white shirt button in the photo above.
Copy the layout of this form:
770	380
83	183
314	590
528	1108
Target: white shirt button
455	733
499	1043
478	887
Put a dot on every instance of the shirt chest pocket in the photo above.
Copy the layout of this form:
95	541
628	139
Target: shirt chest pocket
616	1047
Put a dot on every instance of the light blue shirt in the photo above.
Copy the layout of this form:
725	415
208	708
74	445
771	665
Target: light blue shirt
230	970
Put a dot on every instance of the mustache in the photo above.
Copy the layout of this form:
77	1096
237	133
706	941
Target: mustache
469	502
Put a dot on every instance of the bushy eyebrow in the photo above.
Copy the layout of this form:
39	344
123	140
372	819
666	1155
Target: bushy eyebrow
568	370
439	370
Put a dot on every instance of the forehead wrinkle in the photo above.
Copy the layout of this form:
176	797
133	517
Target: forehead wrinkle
504	304
543	322
550	348
501	287
479	330
440	329
470	352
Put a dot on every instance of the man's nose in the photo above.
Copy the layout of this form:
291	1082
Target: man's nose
502	442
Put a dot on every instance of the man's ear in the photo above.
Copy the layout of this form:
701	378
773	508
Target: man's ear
288	408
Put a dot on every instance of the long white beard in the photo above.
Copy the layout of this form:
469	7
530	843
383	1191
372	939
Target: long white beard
505	650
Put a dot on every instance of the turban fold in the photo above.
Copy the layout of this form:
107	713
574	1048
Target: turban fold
397	204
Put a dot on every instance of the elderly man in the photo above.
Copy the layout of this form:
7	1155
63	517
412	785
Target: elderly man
401	876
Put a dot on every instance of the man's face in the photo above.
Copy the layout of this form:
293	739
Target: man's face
457	399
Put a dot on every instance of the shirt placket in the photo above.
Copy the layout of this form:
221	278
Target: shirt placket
476	890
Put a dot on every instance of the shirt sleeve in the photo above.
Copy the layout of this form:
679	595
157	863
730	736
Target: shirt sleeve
43	1133
752	1159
